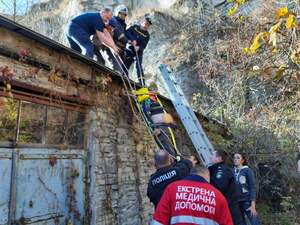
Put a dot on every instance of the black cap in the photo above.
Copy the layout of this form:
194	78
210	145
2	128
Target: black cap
148	19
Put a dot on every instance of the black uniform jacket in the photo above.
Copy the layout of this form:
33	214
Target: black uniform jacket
222	177
140	36
164	176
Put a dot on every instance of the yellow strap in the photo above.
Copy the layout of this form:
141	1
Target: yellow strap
173	138
170	130
142	94
144	35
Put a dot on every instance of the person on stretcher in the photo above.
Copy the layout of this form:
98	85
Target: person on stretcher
160	121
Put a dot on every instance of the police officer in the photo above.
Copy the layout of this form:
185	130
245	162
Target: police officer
119	36
139	36
192	200
82	27
222	177
166	173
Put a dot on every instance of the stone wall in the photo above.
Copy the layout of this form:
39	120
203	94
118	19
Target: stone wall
122	159
121	156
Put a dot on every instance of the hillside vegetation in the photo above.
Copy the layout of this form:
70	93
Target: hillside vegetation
240	63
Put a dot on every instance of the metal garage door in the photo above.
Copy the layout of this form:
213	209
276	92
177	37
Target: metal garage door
42	165
5	179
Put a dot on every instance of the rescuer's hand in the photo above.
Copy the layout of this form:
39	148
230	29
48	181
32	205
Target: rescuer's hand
156	131
252	209
116	50
136	48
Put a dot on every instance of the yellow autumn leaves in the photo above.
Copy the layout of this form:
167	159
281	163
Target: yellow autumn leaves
256	44
271	36
291	21
282	12
295	56
236	5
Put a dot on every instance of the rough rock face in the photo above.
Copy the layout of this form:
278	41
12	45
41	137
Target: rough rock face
51	17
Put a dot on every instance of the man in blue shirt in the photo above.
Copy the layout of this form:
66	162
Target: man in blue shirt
139	36
84	26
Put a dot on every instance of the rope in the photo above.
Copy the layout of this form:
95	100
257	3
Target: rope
173	139
118	59
170	130
139	68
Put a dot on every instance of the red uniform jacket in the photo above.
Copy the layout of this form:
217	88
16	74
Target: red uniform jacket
192	201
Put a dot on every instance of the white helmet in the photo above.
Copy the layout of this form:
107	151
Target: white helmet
121	9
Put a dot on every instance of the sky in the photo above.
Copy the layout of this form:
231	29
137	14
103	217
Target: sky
7	6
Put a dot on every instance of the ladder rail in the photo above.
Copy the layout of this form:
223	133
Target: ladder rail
191	123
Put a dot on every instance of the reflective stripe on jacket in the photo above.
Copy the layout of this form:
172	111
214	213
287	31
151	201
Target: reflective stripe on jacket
192	201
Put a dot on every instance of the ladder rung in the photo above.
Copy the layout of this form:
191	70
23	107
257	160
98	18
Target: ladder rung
187	116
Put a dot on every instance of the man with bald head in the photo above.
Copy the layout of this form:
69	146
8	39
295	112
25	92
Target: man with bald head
167	171
82	27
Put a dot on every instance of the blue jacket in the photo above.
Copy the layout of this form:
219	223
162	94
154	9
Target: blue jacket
119	34
140	36
89	22
245	182
151	108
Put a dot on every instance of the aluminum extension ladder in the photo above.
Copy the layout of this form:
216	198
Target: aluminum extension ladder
190	121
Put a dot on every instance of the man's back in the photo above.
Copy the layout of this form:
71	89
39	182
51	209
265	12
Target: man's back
192	201
164	176
222	178
90	22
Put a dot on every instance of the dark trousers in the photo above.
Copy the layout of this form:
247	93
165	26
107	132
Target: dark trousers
131	56
118	61
100	58
235	213
246	213
165	140
79	40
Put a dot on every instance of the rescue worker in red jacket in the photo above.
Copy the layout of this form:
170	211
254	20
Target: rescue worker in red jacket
192	201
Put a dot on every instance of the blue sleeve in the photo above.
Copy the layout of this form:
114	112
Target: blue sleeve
251	183
183	168
129	33
99	25
146	109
